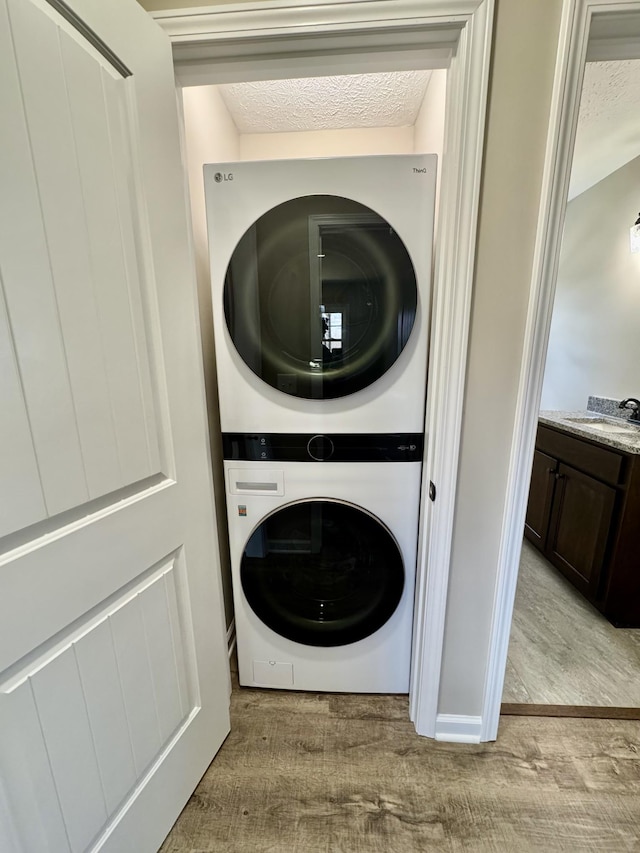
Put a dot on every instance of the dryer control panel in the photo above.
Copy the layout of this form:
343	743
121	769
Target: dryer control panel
333	447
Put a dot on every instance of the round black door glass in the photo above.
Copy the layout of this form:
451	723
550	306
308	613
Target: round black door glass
322	573
320	297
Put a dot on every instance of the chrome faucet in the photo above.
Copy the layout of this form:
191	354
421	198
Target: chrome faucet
634	405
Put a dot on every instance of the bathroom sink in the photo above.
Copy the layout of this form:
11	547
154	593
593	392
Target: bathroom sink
606	426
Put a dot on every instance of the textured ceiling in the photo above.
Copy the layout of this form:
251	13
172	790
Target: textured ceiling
608	133
320	103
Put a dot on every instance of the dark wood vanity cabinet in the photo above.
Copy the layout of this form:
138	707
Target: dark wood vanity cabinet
579	527
584	515
541	492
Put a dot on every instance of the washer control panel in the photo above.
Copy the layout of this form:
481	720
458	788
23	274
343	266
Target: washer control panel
320	448
335	447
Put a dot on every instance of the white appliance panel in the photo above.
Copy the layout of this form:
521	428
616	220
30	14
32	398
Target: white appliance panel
379	663
401	190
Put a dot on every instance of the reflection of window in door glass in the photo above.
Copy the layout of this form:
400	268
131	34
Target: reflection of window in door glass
334	326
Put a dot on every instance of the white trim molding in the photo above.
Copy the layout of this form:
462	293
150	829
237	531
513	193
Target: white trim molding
259	41
458	728
453	283
610	38
285	38
574	47
246	21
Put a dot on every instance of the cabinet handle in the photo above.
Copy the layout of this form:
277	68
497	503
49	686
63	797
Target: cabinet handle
559	476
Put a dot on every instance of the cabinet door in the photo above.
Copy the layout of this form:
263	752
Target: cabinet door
540	495
579	527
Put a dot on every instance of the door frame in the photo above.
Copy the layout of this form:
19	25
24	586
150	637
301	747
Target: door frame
260	40
590	30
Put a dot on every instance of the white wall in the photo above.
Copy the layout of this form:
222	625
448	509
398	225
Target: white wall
350	142
594	345
210	137
428	130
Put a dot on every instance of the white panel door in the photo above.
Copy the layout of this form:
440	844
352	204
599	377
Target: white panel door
114	682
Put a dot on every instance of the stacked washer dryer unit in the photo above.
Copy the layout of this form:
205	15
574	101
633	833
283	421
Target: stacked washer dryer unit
321	281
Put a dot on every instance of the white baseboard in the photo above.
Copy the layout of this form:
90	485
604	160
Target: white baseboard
231	637
458	728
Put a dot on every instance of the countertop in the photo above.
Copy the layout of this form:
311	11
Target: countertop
578	424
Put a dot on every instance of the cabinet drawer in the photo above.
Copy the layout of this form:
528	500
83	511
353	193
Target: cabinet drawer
607	465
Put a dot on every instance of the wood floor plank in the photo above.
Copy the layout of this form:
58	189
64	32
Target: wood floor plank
594	712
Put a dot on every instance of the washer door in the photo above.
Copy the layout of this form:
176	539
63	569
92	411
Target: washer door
322	573
320	297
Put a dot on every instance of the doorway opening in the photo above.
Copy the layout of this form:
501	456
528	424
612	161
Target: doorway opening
590	31
563	649
229	45
347	115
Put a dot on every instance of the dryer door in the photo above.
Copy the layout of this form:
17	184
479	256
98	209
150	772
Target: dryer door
320	297
322	573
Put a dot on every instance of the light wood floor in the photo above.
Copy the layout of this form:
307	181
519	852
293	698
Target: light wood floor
562	650
319	773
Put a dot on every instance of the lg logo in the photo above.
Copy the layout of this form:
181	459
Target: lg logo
415	172
219	177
